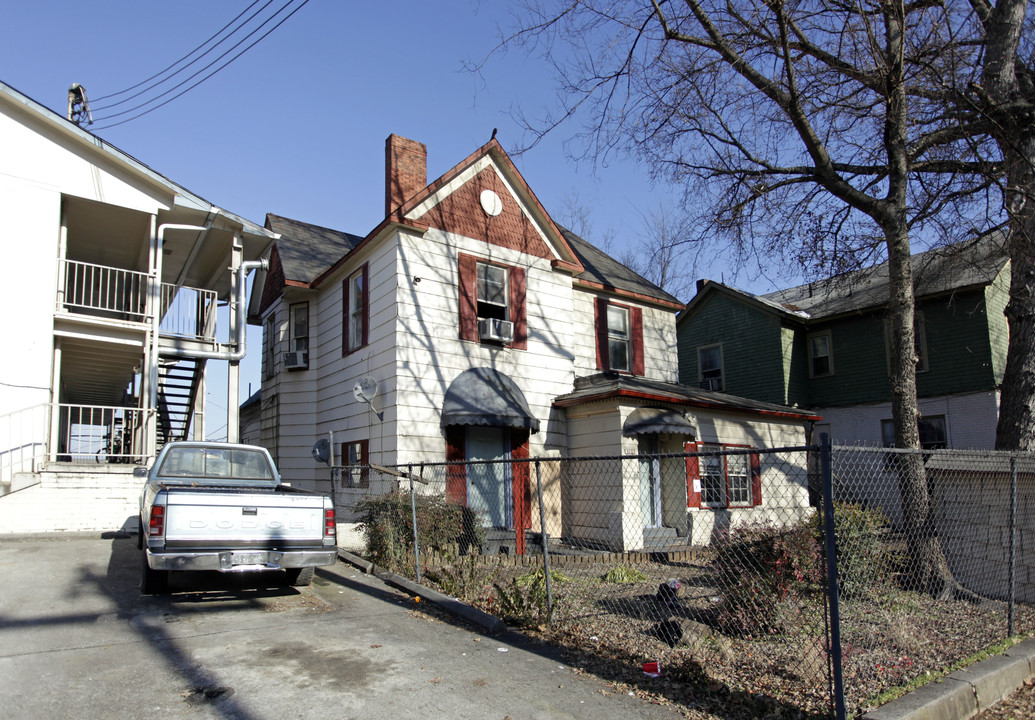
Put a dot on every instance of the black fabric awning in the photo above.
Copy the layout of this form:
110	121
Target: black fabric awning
647	420
484	396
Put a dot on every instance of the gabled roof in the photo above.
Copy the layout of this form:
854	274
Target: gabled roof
492	154
306	250
94	143
604	271
310	253
707	288
610	385
971	263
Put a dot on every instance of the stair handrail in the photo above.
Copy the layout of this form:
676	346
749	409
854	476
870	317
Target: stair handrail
24	442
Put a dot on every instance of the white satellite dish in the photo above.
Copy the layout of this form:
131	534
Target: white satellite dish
365	391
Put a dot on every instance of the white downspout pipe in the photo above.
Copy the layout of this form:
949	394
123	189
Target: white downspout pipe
240	331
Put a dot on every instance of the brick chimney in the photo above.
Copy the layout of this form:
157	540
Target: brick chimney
406	170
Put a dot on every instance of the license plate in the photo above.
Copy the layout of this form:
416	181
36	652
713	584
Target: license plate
254	558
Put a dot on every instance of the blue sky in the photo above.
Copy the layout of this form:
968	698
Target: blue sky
296	126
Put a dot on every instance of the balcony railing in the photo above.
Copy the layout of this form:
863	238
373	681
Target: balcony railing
93	434
188	312
104	291
99	434
118	294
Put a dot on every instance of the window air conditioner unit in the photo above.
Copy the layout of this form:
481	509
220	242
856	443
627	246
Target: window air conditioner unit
296	360
497	330
712	384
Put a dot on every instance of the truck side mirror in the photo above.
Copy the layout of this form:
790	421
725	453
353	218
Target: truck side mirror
140	472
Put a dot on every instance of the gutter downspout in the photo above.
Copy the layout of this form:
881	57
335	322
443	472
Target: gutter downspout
240	331
240	327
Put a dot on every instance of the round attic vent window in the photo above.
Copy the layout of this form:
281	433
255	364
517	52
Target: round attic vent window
491	203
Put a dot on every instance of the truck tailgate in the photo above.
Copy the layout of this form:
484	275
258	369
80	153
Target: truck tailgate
201	518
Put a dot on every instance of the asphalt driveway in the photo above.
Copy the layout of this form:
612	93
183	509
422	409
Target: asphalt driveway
78	640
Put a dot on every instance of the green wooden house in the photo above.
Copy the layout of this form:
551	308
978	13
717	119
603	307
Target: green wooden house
823	346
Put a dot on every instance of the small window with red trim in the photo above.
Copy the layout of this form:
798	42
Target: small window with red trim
720	479
619	334
357	464
492	303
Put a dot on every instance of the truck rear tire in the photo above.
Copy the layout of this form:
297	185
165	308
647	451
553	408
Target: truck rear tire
300	577
152	582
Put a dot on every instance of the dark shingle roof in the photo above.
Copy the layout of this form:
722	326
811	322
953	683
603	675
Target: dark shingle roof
306	251
965	264
608	384
603	269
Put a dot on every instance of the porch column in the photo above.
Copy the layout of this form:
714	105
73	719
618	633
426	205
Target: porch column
149	374
233	379
55	399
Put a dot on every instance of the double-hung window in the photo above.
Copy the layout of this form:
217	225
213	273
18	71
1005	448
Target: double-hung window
919	342
709	367
357	464
492	292
491	298
618	338
619	335
357	312
269	346
933	435
821	358
720	479
300	328
298	337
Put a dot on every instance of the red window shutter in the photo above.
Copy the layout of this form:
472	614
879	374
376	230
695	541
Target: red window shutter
693	477
517	308
521	487
756	480
456	470
600	322
636	317
345	317
468	298
366	304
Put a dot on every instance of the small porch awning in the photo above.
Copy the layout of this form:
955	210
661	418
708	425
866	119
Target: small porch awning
484	396
648	420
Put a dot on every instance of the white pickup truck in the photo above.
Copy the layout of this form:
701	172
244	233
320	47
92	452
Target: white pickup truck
220	506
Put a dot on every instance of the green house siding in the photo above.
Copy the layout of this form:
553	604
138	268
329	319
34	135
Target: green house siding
959	356
860	372
958	350
754	356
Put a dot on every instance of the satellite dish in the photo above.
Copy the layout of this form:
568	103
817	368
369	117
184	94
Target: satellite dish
322	450
365	391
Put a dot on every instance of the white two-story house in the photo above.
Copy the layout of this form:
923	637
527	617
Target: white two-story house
468	325
112	276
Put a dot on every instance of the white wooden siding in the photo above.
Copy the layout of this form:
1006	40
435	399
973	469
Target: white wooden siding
660	356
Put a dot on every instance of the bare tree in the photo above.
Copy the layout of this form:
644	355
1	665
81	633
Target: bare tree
804	131
662	254
1005	97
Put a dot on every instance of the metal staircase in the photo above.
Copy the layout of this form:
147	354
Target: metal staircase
178	383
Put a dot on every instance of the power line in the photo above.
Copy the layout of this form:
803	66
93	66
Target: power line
174	97
170	67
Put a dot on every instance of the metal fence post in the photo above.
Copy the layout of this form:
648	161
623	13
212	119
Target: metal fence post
413	511
832	584
545	538
1013	546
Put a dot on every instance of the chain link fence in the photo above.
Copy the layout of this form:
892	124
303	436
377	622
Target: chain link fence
711	567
